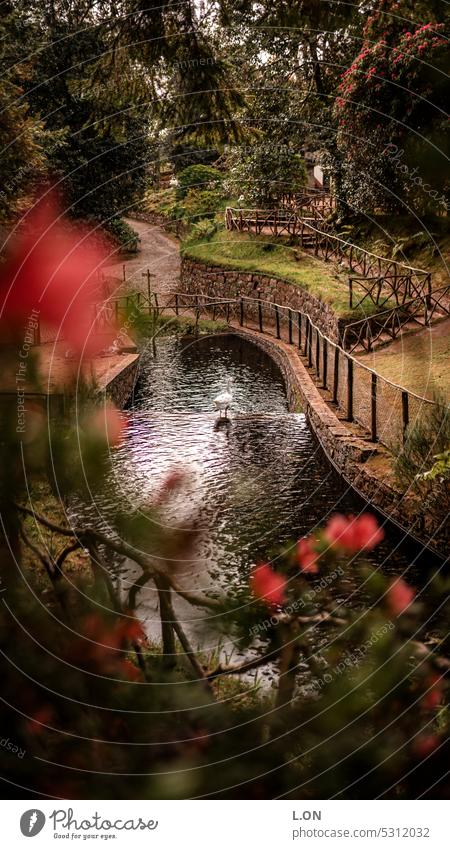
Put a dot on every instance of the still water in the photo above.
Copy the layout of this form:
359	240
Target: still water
255	483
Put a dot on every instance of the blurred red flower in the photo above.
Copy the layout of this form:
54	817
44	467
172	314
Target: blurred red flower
107	423
399	597
52	270
425	745
268	585
353	533
41	717
307	557
432	699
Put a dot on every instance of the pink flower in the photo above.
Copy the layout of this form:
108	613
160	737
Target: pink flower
268	585
107	424
307	557
399	597
352	533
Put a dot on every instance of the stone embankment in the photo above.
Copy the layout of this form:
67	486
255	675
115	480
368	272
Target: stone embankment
199	278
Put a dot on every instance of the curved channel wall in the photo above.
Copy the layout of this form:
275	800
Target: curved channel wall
365	466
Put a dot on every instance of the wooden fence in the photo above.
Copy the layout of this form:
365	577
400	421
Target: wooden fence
382	407
328	246
387	324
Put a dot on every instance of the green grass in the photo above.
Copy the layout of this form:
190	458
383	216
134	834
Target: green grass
146	326
249	253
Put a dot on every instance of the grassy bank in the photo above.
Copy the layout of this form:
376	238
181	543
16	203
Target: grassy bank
249	253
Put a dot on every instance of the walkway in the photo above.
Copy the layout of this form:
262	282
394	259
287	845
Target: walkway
159	252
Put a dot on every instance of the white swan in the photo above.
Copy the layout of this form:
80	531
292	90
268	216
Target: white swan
223	401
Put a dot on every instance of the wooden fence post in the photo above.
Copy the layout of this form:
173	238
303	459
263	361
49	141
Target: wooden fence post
277	320
290	326
336	375
317	353
260	315
299	319
325	363
241	312
176	303
373	408
309	343
405	413
349	389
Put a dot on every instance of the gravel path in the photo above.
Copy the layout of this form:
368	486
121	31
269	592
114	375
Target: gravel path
159	252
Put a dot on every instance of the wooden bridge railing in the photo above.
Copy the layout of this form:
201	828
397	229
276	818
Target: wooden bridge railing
382	407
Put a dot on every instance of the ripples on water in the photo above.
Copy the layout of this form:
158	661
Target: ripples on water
258	481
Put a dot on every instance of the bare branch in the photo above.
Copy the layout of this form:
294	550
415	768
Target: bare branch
246	666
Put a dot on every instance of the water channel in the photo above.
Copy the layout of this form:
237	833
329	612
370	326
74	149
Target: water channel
255	483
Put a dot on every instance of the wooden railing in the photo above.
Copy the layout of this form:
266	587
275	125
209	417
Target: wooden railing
401	288
379	405
387	324
324	244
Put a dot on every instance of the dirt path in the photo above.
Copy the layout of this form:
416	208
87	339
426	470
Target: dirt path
417	361
159	252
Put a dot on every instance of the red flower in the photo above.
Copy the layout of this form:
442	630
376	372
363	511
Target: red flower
131	629
353	534
433	697
307	557
268	585
107	424
399	597
131	671
425	745
41	717
52	271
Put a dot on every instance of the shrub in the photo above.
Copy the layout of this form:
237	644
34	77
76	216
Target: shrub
200	176
202	203
123	234
426	441
204	229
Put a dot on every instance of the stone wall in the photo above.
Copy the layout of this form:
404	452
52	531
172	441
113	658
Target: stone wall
119	383
362	464
199	278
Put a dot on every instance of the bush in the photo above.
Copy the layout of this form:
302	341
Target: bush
123	235
201	176
204	229
427	440
203	203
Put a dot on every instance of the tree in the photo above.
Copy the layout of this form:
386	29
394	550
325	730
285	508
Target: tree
22	137
392	100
